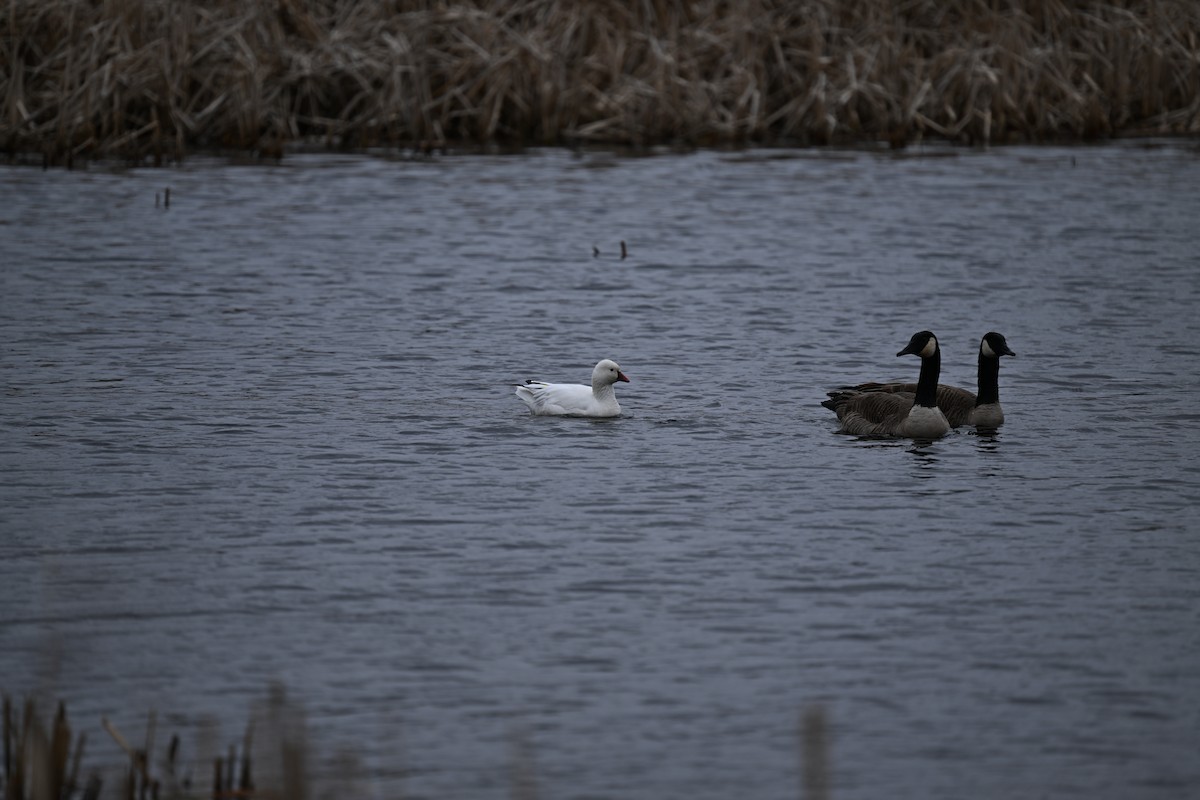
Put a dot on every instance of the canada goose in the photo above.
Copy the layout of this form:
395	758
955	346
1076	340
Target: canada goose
960	406
894	413
575	399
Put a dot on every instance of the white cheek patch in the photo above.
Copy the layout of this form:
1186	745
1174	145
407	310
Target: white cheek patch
930	347
987	350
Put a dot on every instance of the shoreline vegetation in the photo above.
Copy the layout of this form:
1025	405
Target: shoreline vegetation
275	759
43	760
151	81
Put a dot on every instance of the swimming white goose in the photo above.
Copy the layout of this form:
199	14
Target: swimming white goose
897	414
960	406
575	399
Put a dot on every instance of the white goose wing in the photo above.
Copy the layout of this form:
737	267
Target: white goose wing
563	399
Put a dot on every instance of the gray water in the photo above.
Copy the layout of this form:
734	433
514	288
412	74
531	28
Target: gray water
267	437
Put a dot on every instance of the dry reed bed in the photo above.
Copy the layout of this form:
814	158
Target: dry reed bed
40	762
157	78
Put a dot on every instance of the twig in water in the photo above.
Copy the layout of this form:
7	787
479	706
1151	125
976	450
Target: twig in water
815	753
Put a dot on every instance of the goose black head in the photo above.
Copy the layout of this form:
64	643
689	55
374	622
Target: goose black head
994	345
923	344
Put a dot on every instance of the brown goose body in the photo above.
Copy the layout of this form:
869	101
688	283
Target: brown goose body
913	415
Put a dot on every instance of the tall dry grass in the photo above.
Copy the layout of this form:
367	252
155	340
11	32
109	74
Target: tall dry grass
41	763
158	78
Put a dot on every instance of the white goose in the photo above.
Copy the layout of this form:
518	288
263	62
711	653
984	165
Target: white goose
575	399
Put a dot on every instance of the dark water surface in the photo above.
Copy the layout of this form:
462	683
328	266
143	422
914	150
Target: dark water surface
268	435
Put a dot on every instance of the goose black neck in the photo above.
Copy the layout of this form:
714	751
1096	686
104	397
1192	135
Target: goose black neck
989	381
927	383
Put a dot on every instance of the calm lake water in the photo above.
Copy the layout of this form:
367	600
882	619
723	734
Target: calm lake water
267	437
